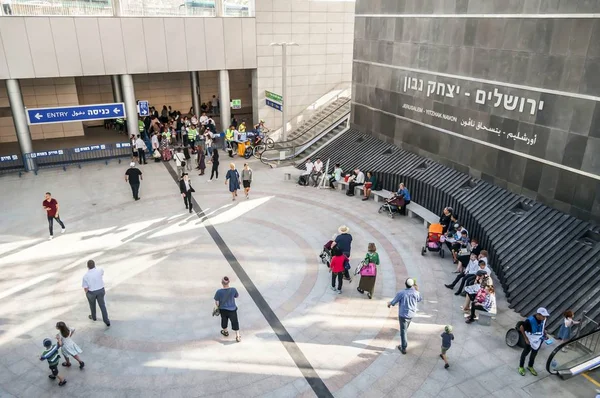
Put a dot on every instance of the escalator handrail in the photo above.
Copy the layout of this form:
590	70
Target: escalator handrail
563	345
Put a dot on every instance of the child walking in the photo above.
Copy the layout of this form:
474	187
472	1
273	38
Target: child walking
564	333
51	355
447	338
337	267
67	345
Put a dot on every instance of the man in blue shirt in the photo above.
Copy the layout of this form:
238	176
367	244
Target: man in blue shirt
408	299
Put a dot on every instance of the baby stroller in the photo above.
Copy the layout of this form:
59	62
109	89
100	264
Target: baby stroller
392	205
326	253
434	240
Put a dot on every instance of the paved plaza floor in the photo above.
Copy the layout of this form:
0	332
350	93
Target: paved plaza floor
162	266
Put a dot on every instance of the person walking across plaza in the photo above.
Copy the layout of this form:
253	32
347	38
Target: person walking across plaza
407	309
447	338
93	285
180	162
227	308
246	179
52	211
368	271
133	175
233	179
337	267
343	241
51	355
533	331
214	172
140	145
185	187
67	345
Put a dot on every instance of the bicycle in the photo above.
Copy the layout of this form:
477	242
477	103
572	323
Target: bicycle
255	149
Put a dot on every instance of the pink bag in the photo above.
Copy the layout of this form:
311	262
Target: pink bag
368	270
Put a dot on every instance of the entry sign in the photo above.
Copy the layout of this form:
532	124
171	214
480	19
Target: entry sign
274	97
143	108
236	104
274	105
78	113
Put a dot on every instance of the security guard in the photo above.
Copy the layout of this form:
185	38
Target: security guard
191	134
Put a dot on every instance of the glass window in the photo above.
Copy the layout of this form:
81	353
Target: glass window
238	8
201	8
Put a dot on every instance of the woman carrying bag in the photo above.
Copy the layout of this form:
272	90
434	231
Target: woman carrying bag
368	271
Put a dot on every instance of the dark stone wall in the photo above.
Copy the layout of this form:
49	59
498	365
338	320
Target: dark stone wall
513	101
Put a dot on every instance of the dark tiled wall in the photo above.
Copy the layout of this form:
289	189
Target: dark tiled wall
467	85
476	6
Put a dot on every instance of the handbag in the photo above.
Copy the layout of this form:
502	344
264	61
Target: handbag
368	270
346	264
480	296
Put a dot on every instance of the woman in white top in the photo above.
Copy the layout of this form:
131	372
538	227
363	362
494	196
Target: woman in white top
67	345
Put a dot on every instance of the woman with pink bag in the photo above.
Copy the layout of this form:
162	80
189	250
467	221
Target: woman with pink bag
368	271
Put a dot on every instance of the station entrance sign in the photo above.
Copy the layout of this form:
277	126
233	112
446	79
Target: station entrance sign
78	113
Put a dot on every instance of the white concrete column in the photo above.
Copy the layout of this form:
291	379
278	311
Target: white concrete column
116	6
13	89
195	87
255	116
130	103
225	99
219	8
116	87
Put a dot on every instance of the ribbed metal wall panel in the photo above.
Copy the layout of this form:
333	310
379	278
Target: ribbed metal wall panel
535	251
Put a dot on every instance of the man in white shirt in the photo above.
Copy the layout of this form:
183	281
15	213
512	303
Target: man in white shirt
305	177
154	140
357	180
140	145
179	158
203	118
317	172
93	285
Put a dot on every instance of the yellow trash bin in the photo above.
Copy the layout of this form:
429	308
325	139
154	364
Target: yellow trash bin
241	148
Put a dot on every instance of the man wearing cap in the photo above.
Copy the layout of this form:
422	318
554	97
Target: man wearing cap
133	175
408	299
534	332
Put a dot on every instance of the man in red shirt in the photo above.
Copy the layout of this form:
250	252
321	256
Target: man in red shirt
51	207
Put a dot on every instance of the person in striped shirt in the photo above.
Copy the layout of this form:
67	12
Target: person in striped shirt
51	355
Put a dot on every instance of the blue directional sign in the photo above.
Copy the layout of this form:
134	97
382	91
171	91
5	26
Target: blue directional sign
77	113
274	105
143	108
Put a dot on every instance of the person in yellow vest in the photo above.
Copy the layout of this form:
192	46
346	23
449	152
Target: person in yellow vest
191	134
230	140
121	126
141	127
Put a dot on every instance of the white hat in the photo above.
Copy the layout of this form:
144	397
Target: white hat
543	311
132	164
410	282
343	229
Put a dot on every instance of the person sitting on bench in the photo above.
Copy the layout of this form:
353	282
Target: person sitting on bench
354	181
404	194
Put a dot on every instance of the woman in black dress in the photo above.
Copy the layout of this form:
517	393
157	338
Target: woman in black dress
215	164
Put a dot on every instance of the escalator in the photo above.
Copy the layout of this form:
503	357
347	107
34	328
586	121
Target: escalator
579	355
311	138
